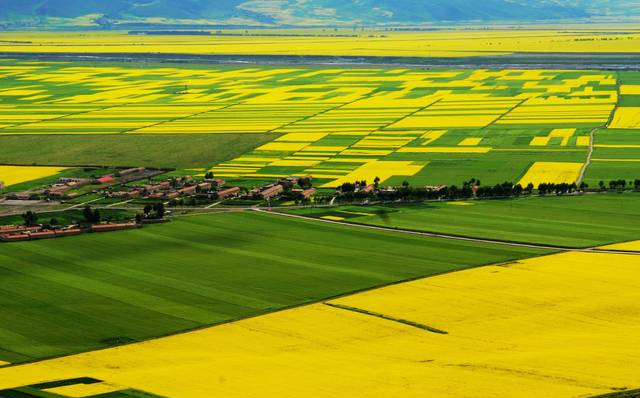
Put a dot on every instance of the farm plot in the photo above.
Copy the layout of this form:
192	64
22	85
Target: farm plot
87	292
13	175
343	42
580	221
334	124
558	326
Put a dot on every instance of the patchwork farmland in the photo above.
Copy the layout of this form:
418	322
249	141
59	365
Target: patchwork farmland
341	125
438	212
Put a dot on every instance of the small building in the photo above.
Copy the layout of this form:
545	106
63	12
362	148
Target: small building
271	191
171	195
26	195
157	187
188	190
308	193
105	179
113	227
125	194
73	181
369	188
131	171
228	193
434	188
68	232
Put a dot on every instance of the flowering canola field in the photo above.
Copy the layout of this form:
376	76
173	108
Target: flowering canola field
11	175
430	127
553	326
551	172
437	43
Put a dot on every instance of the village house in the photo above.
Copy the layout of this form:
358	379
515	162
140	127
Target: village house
271	191
105	179
369	188
228	193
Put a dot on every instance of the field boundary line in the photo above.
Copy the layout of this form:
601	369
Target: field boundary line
322	112
408	115
97	109
387	317
510	110
133	130
454	237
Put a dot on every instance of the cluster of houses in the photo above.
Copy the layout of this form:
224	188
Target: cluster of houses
18	233
211	189
70	187
173	188
282	186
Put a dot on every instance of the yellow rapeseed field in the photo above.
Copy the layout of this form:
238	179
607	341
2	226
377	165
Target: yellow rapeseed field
471	141
11	175
85	390
446	42
630	246
551	172
626	118
627	89
381	169
559	326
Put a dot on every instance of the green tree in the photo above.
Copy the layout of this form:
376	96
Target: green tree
97	217
158	208
30	218
87	213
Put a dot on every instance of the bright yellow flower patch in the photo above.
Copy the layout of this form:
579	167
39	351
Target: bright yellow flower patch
631	246
11	175
626	118
551	172
85	390
471	141
628	89
381	169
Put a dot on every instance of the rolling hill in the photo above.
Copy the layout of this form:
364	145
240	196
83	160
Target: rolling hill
296	12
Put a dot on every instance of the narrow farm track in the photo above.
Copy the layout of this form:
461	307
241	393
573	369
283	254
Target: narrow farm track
455	237
592	135
587	163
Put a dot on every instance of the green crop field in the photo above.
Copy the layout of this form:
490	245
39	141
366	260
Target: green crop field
256	123
174	151
578	221
74	294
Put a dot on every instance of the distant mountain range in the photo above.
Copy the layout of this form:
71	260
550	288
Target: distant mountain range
302	12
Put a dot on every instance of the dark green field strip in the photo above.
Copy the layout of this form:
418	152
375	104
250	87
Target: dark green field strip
621	394
67	295
618	137
581	221
170	150
612	170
